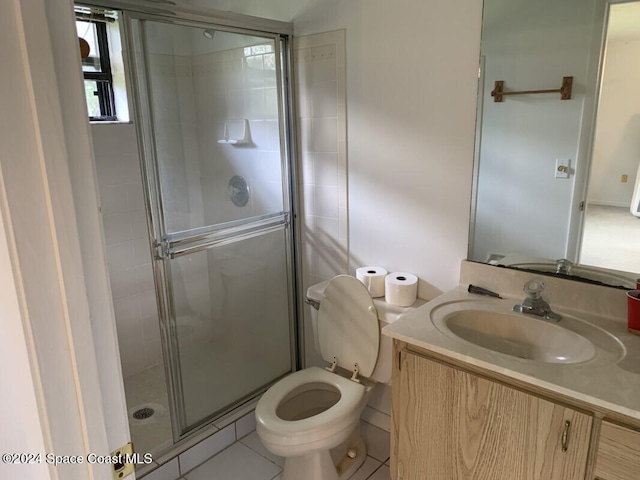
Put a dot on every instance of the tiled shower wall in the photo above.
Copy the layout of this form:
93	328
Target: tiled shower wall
234	85
211	92
320	86
322	116
193	96
127	241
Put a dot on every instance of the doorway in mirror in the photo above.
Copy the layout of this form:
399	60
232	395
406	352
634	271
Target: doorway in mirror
611	225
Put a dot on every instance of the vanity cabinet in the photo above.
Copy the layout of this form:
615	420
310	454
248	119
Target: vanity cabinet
454	425
618	454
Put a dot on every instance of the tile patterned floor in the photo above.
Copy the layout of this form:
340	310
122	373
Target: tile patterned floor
247	459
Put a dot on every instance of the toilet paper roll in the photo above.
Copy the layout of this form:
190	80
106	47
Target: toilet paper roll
401	289
373	278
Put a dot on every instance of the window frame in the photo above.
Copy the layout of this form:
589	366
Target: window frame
103	78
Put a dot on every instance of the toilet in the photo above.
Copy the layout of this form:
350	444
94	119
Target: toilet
312	416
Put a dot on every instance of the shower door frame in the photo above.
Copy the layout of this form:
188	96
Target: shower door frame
281	34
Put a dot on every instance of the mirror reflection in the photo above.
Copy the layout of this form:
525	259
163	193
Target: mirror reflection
556	177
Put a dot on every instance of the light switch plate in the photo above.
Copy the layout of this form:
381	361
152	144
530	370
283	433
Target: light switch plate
563	167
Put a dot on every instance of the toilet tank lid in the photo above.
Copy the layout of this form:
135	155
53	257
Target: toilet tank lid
386	312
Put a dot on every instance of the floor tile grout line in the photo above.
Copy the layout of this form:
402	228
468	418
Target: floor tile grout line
374	472
239	440
208	458
258	453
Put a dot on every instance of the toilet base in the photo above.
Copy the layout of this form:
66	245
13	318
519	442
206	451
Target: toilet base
334	464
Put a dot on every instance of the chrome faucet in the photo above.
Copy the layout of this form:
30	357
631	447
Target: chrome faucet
534	304
563	266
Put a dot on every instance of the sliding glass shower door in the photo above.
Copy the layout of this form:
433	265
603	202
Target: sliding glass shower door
214	139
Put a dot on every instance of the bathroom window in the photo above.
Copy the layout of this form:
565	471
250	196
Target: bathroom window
98	34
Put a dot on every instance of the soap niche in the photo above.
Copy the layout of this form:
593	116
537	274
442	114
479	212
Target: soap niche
236	132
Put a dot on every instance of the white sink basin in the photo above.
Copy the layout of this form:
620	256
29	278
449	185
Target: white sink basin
493	326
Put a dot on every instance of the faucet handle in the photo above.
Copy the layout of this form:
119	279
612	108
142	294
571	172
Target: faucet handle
533	288
563	266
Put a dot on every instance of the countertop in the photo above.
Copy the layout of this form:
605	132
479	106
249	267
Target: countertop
611	384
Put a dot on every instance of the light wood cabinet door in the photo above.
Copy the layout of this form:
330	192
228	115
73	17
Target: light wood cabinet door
452	425
618	453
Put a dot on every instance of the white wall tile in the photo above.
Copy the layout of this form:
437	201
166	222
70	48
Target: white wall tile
246	425
152	343
126	236
308	200
139	224
117	228
168	471
377	418
325	169
306	167
327	232
114	199
271	101
207	448
325	134
143	275
123	284
324	99
120	256
273	135
135	197
306	137
377	440
127	310
324	66
320	84
148	304
326	201
141	252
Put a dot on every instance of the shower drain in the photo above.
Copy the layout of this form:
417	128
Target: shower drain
143	413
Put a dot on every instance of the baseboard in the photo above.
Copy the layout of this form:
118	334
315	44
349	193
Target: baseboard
376	418
604	203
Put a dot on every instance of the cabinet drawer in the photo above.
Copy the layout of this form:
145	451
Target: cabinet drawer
618	453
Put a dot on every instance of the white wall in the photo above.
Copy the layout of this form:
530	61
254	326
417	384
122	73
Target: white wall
617	138
530	47
22	428
411	115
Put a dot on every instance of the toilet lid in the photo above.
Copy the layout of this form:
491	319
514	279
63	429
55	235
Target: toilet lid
348	325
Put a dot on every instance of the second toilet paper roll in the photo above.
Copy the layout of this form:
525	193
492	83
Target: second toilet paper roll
373	278
401	289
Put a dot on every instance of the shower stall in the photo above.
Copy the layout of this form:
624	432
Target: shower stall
212	115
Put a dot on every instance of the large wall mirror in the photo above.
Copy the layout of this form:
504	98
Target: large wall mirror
557	181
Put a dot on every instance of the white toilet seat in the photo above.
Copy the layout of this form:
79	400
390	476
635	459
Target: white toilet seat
276	430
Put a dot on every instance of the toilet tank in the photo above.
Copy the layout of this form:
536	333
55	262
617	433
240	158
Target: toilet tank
387	314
